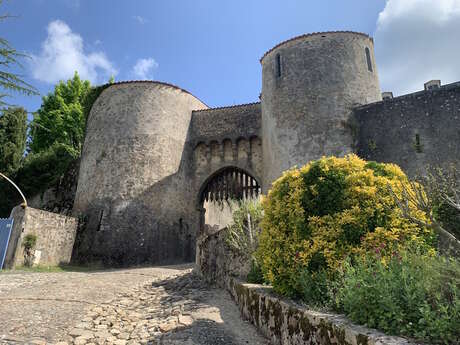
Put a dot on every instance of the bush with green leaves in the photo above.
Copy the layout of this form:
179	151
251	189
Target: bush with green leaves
330	209
29	241
243	234
255	275
56	140
38	172
414	294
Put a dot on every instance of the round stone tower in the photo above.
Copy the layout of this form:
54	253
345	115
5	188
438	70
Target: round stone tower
310	85
132	187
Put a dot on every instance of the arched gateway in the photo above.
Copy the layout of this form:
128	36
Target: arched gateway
217	193
230	183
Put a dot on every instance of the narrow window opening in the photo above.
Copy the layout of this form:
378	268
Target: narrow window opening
278	65
99	225
418	145
369	61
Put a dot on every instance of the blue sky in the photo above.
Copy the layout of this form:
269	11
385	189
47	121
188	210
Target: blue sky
212	48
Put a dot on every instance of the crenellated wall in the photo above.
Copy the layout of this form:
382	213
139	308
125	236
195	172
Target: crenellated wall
221	138
228	136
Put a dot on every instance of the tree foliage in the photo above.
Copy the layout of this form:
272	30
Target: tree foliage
13	136
57	134
9	81
243	232
437	194
61	118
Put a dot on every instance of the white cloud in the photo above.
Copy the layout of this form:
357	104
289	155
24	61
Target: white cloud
140	20
143	69
62	54
416	41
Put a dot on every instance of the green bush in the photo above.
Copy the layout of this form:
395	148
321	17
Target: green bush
39	172
243	232
29	241
330	209
315	288
413	294
255	275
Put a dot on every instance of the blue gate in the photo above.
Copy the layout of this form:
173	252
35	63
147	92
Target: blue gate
6	225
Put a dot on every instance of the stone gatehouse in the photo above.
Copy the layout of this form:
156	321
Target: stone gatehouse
154	153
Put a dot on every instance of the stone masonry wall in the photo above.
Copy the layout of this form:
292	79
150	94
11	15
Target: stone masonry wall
133	186
287	323
55	237
233	122
281	320
216	262
225	137
310	84
412	131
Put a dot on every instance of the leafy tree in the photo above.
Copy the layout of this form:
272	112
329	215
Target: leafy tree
61	117
13	134
9	58
437	194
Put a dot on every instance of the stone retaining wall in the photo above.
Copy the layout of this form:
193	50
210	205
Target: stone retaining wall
55	237
286	323
281	320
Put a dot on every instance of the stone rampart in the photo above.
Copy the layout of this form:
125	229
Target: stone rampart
413	130
233	122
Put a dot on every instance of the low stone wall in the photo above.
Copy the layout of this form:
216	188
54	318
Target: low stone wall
281	320
55	237
286	323
215	261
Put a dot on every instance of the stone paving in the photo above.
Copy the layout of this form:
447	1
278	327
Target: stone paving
162	305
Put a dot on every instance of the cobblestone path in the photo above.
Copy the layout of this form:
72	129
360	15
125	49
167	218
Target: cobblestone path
162	305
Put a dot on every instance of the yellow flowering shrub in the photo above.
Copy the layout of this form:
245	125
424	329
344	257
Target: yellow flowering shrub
332	208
